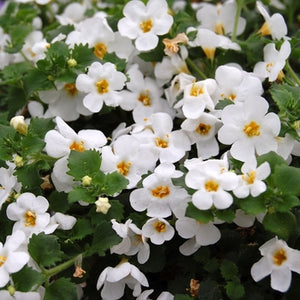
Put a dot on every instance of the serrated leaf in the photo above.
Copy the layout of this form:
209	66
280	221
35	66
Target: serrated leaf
113	183
44	249
280	223
251	205
14	72
84	56
18	33
61	288
199	215
32	145
223	103
118	62
64	29
155	55
58	53
80	193
81	229
288	201
58	202
235	290
104	238
40	126
228	269
226	215
287	179
83	163
273	159
27	278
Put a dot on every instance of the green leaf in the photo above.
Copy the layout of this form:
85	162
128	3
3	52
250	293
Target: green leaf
58	52
234	290
226	215
155	55
80	193
286	203
61	288
40	126
84	56
272	158
182	297
27	278
104	238
14	72
204	216
58	202
229	269
118	62
64	29
209	290
83	163
287	179
211	265
32	145
81	229
113	183
251	205
280	223
36	80
44	249
18	34
223	103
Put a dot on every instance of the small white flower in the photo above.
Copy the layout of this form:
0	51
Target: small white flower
18	123
102	205
101	84
143	23
158	230
114	280
12	259
279	260
64	222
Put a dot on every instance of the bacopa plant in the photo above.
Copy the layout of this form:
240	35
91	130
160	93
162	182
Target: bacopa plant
149	149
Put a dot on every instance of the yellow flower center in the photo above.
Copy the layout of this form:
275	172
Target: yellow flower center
269	66
161	191
102	86
279	257
124	167
145	98
30	218
249	178
77	146
161	143
209	53
265	29
71	89
230	97
159	226
100	50
146	26
252	129
203	129
211	185
219	28
2	260
196	90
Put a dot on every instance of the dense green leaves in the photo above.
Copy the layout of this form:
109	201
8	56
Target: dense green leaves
204	216
61	288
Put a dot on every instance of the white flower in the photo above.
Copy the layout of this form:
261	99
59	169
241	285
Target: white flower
212	181
143	23
158	230
158	194
198	234
279	260
18	123
251	180
102	205
30	214
249	128
133	241
101	84
219	17
12	259
64	222
114	280
5	295
274	25
274	62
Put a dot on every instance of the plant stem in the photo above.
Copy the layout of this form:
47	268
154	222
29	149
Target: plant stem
292	73
236	20
195	68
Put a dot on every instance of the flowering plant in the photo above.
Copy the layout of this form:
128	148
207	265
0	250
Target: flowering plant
149	149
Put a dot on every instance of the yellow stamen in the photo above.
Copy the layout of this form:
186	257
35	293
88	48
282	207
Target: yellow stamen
196	90
161	191
77	147
30	218
145	98
249	178
203	129
269	66
209	52
219	29
2	260
280	75
102	86
252	129
100	50
159	226
211	185
124	167
161	143
264	30
71	89
279	257
146	26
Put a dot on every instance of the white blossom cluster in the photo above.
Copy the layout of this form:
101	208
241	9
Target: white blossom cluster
149	151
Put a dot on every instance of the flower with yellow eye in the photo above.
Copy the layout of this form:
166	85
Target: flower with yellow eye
143	23
279	260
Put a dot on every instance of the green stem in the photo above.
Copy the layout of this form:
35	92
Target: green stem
236	20
292	73
195	68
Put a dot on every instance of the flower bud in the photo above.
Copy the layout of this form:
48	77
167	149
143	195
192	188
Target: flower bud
86	180
102	205
72	62
18	161
19	124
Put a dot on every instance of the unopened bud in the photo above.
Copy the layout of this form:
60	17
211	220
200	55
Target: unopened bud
102	205
86	180
19	124
18	160
72	62
11	290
